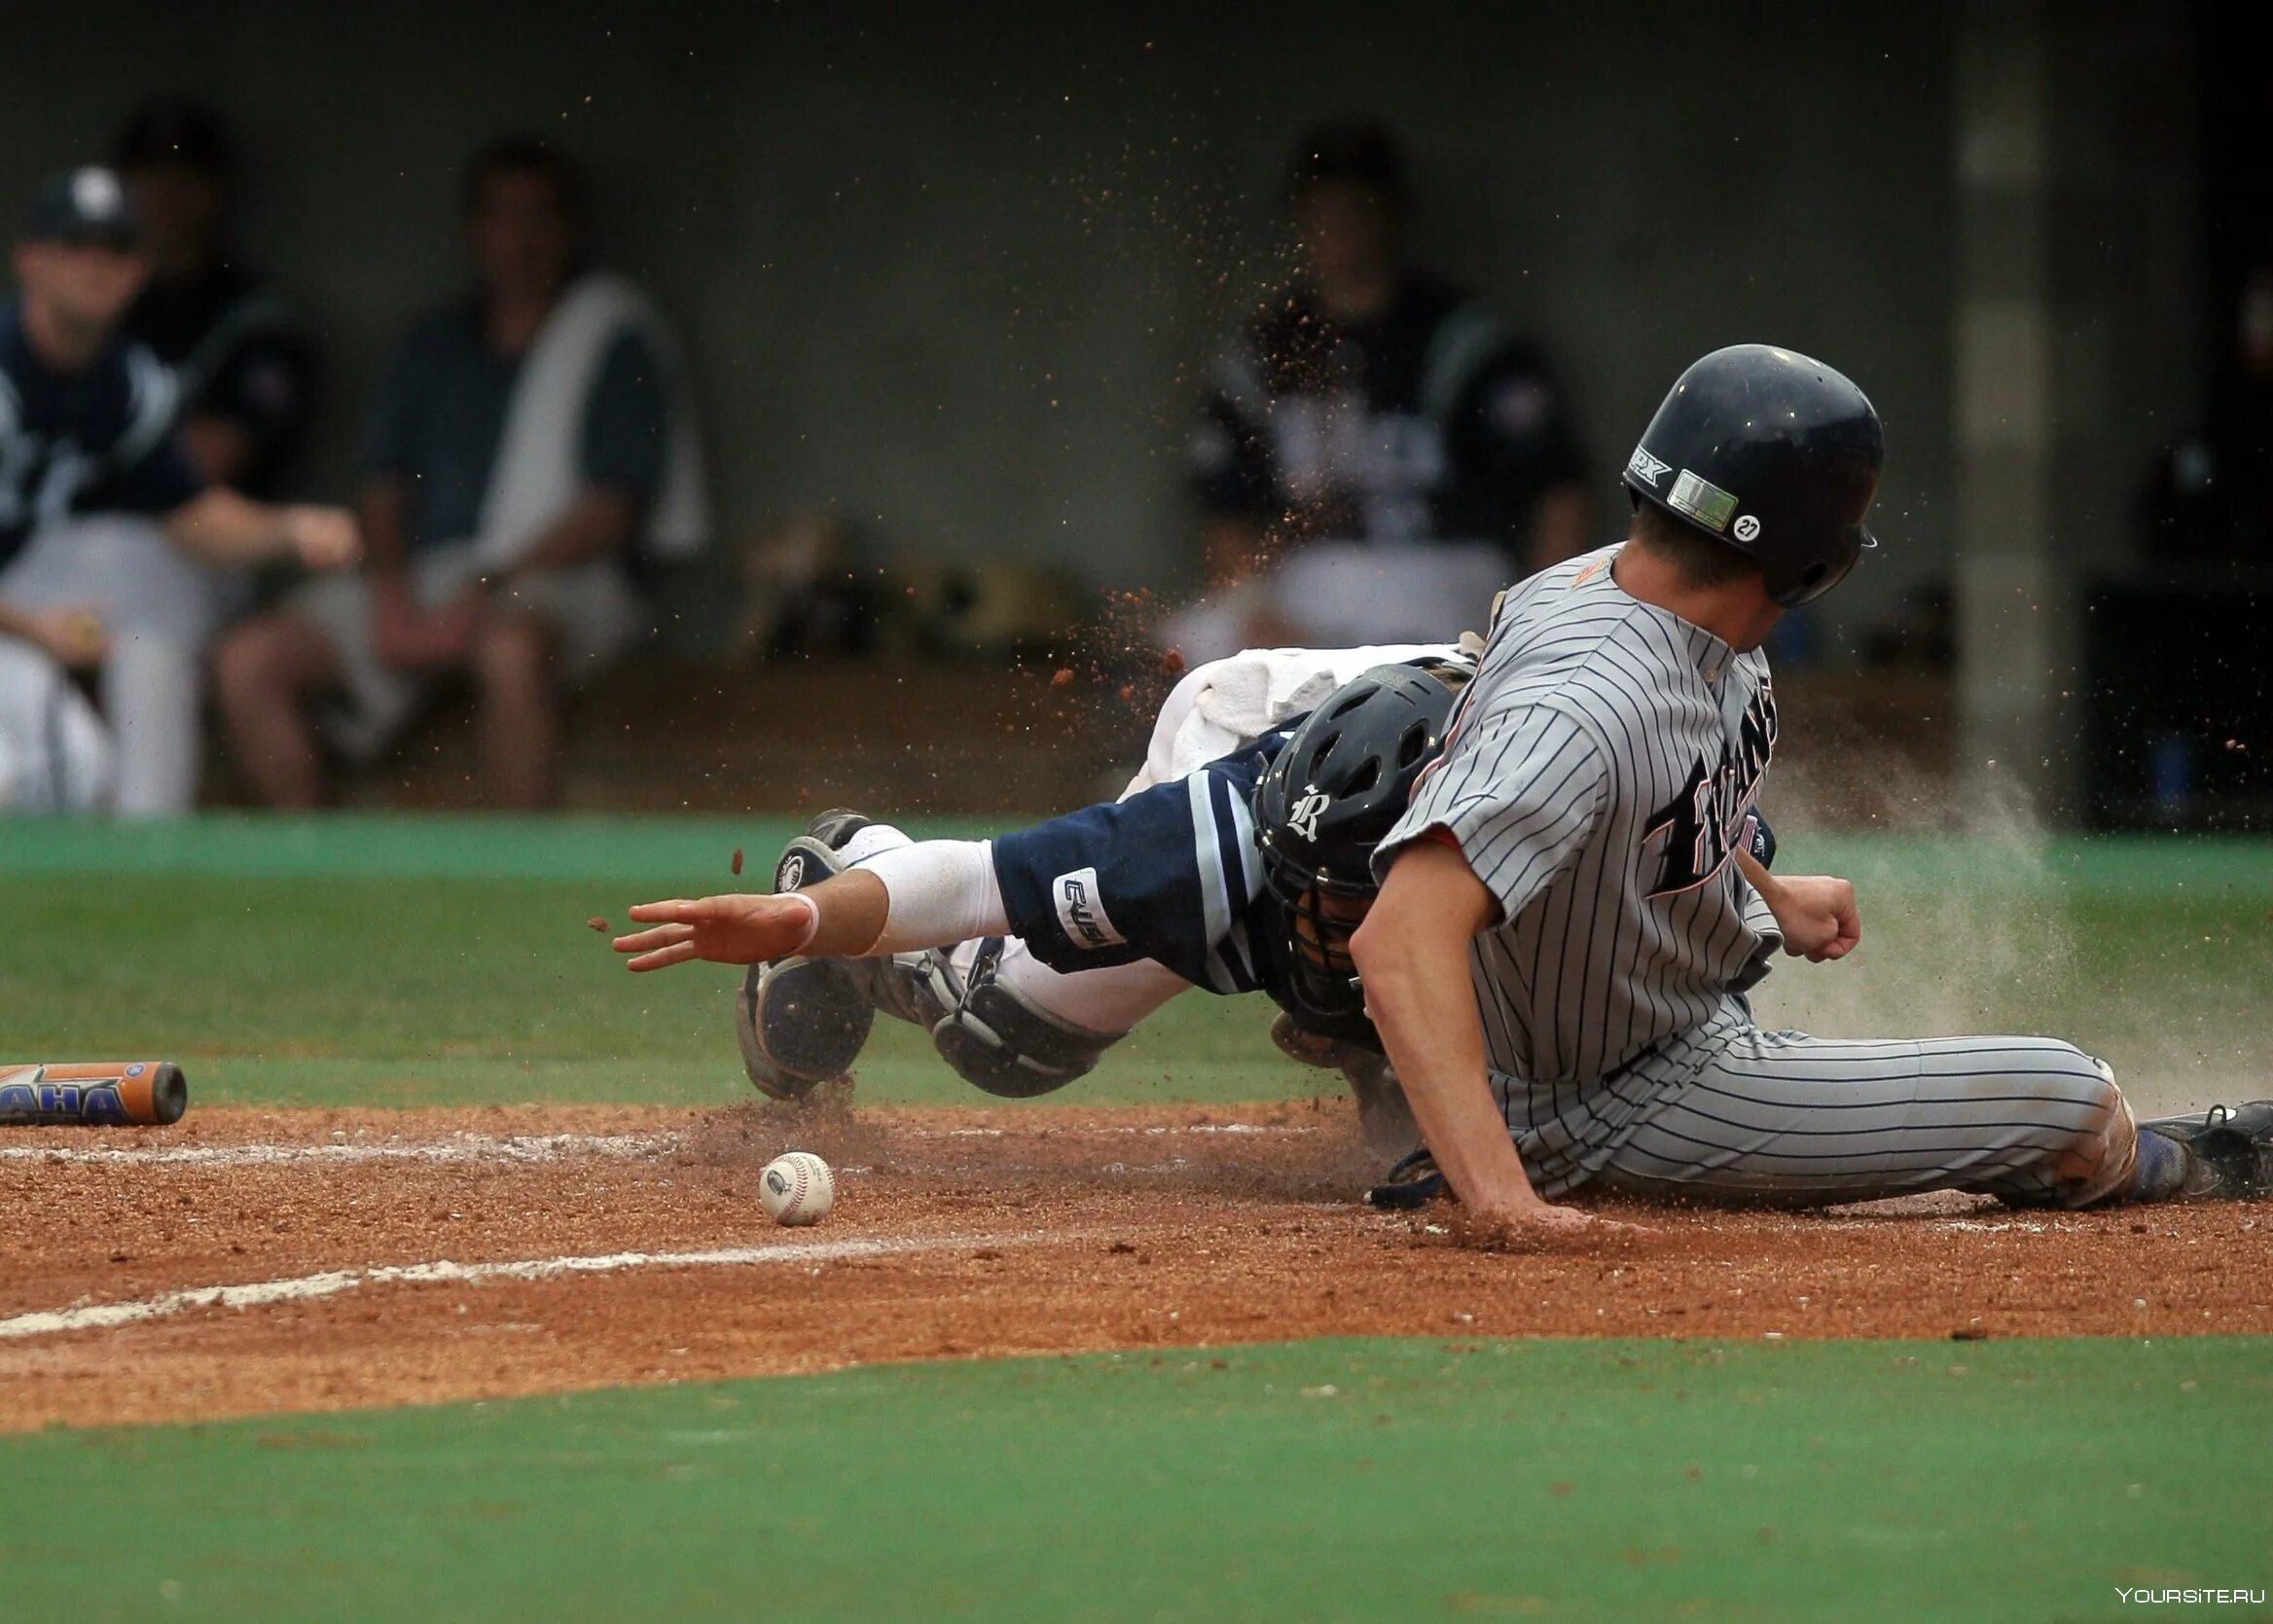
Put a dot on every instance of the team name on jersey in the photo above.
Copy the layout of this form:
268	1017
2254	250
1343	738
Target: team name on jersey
1703	822
1082	912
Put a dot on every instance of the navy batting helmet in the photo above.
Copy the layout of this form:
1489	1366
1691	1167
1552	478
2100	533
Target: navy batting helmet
1773	454
1337	789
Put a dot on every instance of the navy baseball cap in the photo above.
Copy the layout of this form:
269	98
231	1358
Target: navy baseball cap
87	208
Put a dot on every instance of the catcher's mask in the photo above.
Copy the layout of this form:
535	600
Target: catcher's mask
1334	792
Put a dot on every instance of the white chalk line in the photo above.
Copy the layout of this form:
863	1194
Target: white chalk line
519	1148
459	1147
95	1317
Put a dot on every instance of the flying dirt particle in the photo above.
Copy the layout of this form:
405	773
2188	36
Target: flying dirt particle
1121	1249
1128	692
1061	676
734	863
1171	661
1969	1333
595	923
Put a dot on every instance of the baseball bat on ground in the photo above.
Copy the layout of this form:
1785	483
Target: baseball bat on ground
92	1094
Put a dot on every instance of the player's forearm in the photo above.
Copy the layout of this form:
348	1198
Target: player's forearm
221	528
385	509
852	908
932	894
1418	991
1412	955
597	523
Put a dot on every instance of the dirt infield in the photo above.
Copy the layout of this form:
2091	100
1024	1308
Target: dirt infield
380	1257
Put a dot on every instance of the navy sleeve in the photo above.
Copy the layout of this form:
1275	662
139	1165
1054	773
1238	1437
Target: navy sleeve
262	385
625	420
159	480
1168	875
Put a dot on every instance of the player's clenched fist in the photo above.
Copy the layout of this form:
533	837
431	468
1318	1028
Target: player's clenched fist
323	538
724	929
1816	913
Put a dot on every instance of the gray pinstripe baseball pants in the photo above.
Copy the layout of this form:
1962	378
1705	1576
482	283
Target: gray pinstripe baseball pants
1739	1115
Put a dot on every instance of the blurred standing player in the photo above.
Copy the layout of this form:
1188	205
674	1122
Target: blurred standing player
87	428
242	365
1568	927
1379	455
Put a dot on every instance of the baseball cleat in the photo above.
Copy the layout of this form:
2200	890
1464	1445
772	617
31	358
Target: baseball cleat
813	856
2230	1150
800	1021
1413	1182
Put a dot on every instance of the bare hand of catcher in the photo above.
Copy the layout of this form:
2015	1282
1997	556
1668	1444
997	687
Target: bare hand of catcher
735	930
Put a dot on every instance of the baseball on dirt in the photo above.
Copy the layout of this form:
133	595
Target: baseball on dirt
797	1188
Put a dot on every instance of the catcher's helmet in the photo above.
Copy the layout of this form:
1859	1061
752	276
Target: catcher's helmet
1774	454
1334	792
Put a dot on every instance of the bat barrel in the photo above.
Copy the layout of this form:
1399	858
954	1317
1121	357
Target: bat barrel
92	1094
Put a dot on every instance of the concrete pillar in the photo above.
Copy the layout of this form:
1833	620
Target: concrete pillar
2013	752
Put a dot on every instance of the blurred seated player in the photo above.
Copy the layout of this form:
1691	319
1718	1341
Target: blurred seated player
530	444
240	376
89	433
1380	456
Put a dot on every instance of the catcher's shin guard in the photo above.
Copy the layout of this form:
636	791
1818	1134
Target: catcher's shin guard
997	1038
800	1021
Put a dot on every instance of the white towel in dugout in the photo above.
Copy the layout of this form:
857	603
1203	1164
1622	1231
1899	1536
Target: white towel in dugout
536	469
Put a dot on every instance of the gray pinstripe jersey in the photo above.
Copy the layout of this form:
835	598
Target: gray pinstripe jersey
1600	771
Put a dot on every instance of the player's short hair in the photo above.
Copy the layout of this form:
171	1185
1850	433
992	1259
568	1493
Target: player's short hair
1349	152
175	129
1699	559
524	155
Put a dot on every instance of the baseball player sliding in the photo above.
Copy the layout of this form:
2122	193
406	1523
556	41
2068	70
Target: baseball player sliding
1567	918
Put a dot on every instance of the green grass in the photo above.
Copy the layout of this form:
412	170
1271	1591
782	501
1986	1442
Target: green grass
307	991
398	961
401	961
1588	1480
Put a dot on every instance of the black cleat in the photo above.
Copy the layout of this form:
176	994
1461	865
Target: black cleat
2230	1150
1412	1184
